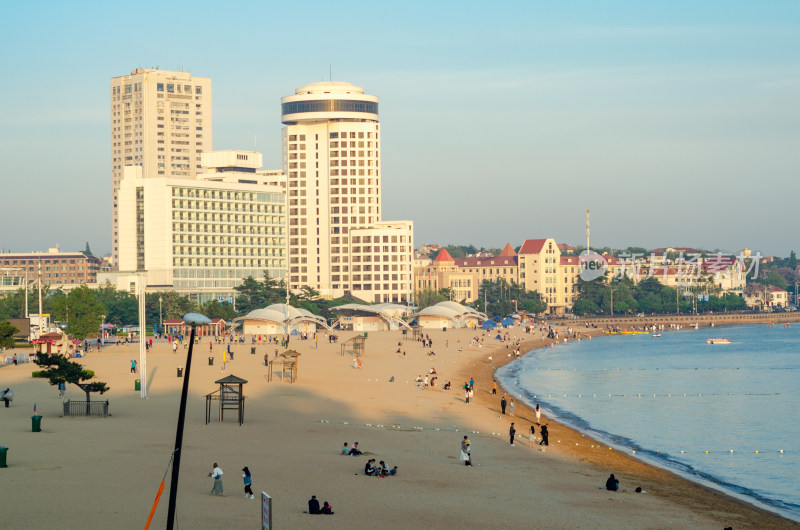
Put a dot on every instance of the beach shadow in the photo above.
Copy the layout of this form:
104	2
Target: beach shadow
151	377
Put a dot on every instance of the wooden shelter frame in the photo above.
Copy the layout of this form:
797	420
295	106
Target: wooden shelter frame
358	344
230	396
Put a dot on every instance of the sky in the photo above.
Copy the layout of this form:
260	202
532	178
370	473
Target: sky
678	123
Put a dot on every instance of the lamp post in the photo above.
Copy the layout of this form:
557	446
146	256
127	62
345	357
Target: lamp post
194	320
160	319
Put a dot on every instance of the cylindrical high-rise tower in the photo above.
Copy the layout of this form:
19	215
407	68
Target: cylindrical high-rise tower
331	156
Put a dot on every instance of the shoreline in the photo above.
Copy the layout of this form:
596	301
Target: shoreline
570	442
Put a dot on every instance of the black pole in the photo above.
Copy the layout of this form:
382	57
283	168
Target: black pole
176	455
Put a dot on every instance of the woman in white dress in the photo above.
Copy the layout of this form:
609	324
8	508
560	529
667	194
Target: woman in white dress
538	412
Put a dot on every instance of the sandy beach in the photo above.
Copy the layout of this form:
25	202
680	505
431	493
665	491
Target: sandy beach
101	473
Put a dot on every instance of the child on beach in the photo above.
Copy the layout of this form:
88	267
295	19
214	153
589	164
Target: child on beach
248	481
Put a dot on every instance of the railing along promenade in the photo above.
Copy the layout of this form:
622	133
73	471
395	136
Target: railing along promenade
702	319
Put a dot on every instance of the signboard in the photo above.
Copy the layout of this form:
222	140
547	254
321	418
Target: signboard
266	511
225	299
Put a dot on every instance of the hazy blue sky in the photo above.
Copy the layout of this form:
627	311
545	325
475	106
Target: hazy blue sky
678	122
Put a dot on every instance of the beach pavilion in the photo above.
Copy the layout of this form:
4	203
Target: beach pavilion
449	315
377	317
274	320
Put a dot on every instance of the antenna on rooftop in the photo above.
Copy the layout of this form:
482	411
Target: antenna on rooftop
587	227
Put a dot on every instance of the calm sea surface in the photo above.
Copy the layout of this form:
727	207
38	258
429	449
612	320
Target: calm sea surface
674	397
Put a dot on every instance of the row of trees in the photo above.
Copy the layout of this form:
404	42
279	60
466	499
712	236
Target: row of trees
84	309
620	296
494	298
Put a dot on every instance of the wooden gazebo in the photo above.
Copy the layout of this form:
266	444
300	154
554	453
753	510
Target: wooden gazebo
357	345
289	362
230	397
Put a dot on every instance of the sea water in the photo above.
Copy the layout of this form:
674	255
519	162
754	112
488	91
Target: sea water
726	415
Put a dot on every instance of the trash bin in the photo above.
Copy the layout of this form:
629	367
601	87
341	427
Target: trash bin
36	423
252	350
365	334
137	385
211	361
180	371
3	451
444	328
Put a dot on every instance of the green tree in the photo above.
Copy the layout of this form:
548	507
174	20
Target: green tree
428	297
775	278
792	261
59	369
7	335
87	251
122	308
216	309
256	295
81	311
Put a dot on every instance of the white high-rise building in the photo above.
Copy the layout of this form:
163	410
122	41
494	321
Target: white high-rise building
203	236
331	156
160	122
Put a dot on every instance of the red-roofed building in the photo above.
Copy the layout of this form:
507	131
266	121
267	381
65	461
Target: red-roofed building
507	251
443	256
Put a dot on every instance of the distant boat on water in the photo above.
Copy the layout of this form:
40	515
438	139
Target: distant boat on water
718	341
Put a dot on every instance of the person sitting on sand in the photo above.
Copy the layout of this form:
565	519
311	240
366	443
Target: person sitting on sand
418	379
612	484
447	385
327	509
393	471
369	469
433	371
354	451
383	469
313	505
345	449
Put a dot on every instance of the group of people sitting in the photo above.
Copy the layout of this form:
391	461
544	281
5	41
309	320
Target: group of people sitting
314	509
423	382
379	470
351	450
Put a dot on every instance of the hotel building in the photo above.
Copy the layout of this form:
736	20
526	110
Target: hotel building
338	242
160	122
203	236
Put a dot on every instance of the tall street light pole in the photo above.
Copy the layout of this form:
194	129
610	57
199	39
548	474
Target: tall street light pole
194	320
160	318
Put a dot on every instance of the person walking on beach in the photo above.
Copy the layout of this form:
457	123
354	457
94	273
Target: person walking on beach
471	383
532	438
512	406
133	366
248	481
494	387
216	474
470	396
466	455
538	412
503	405
466	396
511	432
545	434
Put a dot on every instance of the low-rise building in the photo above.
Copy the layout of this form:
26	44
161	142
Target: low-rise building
58	269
